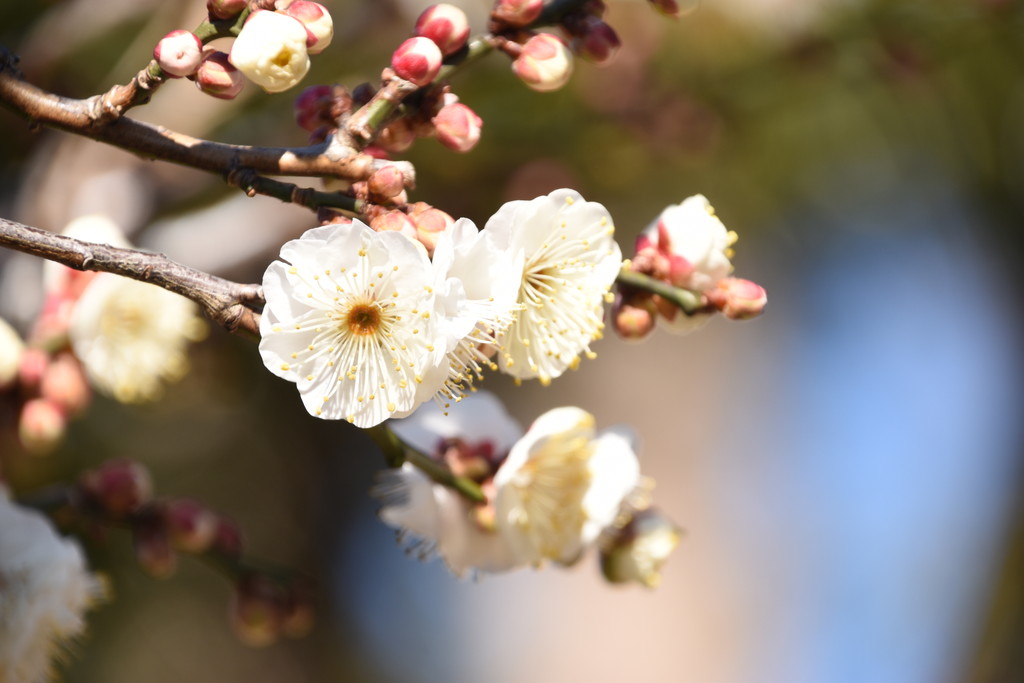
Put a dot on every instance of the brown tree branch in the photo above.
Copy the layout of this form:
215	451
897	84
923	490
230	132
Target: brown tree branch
231	304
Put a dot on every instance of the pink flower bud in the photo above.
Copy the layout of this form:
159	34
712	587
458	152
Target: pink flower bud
597	42
417	60
225	9
117	487
394	221
41	426
446	25
386	183
631	320
153	549
32	368
738	299
517	12
318	23
545	63
430	223
178	53
458	127
218	77
64	384
192	527
312	107
397	136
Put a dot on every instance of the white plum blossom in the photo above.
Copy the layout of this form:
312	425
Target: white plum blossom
433	519
11	348
490	279
355	319
698	247
131	336
636	550
570	260
271	50
45	589
562	485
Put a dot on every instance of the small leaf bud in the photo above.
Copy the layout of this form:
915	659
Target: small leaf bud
218	77
41	426
178	53
417	60
318	23
517	12
458	127
446	25
545	63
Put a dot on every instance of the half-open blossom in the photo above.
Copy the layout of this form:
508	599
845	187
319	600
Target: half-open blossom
352	317
570	260
545	63
562	485
433	519
131	336
45	589
271	50
693	247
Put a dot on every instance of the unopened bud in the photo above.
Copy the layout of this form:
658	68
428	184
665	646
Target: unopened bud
597	42
675	8
738	299
446	25
396	137
178	53
32	367
318	23
417	60
192	527
394	221
64	384
545	63
386	183
228	537
153	549
41	426
633	321
257	611
430	223
458	127
637	550
11	350
225	9
218	77
118	487
299	613
312	107
517	12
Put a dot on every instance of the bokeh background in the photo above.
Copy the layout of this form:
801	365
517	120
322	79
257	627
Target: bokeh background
847	467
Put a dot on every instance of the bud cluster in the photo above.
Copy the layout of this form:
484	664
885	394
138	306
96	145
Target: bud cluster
687	248
121	492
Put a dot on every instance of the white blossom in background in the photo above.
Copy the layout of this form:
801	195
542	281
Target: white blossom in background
698	247
636	550
570	260
131	337
354	319
96	228
433	519
271	51
45	589
562	485
11	348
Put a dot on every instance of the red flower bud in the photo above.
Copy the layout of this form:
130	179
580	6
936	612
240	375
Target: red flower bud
417	60
191	526
446	25
118	487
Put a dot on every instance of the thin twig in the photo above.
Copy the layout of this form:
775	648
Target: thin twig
231	304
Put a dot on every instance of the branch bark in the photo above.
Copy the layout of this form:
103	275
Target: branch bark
231	304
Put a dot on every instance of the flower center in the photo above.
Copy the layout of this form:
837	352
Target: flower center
283	58
363	319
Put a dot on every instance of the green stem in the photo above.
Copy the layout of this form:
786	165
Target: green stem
689	302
